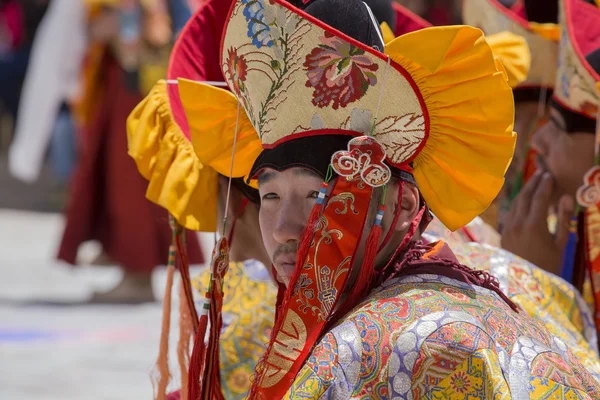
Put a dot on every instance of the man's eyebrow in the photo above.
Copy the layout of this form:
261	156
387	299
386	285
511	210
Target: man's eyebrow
265	177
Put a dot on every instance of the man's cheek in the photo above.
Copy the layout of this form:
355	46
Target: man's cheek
267	238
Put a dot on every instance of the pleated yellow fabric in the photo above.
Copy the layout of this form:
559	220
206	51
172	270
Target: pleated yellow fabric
513	51
471	141
165	157
470	107
212	114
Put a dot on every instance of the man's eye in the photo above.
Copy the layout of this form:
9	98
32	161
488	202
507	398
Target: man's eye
270	196
314	195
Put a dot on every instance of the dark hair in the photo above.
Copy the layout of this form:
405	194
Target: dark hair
247	191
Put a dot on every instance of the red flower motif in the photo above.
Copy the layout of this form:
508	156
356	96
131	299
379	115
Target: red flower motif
460	382
237	70
339	72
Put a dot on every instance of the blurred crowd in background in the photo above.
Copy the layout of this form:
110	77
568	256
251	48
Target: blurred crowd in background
19	20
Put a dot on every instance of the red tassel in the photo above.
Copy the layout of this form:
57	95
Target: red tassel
184	270
367	269
211	384
372	245
161	380
183	347
203	381
198	355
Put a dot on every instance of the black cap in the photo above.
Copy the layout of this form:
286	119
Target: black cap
351	17
541	11
382	9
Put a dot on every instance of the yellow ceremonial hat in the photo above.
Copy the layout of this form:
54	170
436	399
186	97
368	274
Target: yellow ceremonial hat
492	18
436	99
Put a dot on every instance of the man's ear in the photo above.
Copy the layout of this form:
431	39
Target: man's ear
409	207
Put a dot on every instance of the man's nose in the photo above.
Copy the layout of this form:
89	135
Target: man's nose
290	222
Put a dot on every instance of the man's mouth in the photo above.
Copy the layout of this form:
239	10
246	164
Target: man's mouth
285	265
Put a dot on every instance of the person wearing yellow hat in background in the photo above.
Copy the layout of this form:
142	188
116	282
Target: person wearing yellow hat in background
358	142
195	192
250	292
536	22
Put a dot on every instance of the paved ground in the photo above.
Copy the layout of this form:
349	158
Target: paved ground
43	195
53	348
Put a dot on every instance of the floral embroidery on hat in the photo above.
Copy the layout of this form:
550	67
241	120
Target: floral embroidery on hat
339	72
276	33
237	70
258	28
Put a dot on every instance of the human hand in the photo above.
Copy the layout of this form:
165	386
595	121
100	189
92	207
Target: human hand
526	232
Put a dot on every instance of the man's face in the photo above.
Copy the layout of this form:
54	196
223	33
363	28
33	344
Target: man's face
567	156
287	199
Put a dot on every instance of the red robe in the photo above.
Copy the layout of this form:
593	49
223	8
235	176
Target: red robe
107	199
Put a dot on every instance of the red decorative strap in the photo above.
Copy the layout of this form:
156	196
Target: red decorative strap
314	290
204	377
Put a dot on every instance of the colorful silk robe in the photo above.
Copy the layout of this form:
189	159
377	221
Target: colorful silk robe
544	296
432	337
248	315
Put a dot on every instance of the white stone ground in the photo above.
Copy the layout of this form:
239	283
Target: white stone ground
53	348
